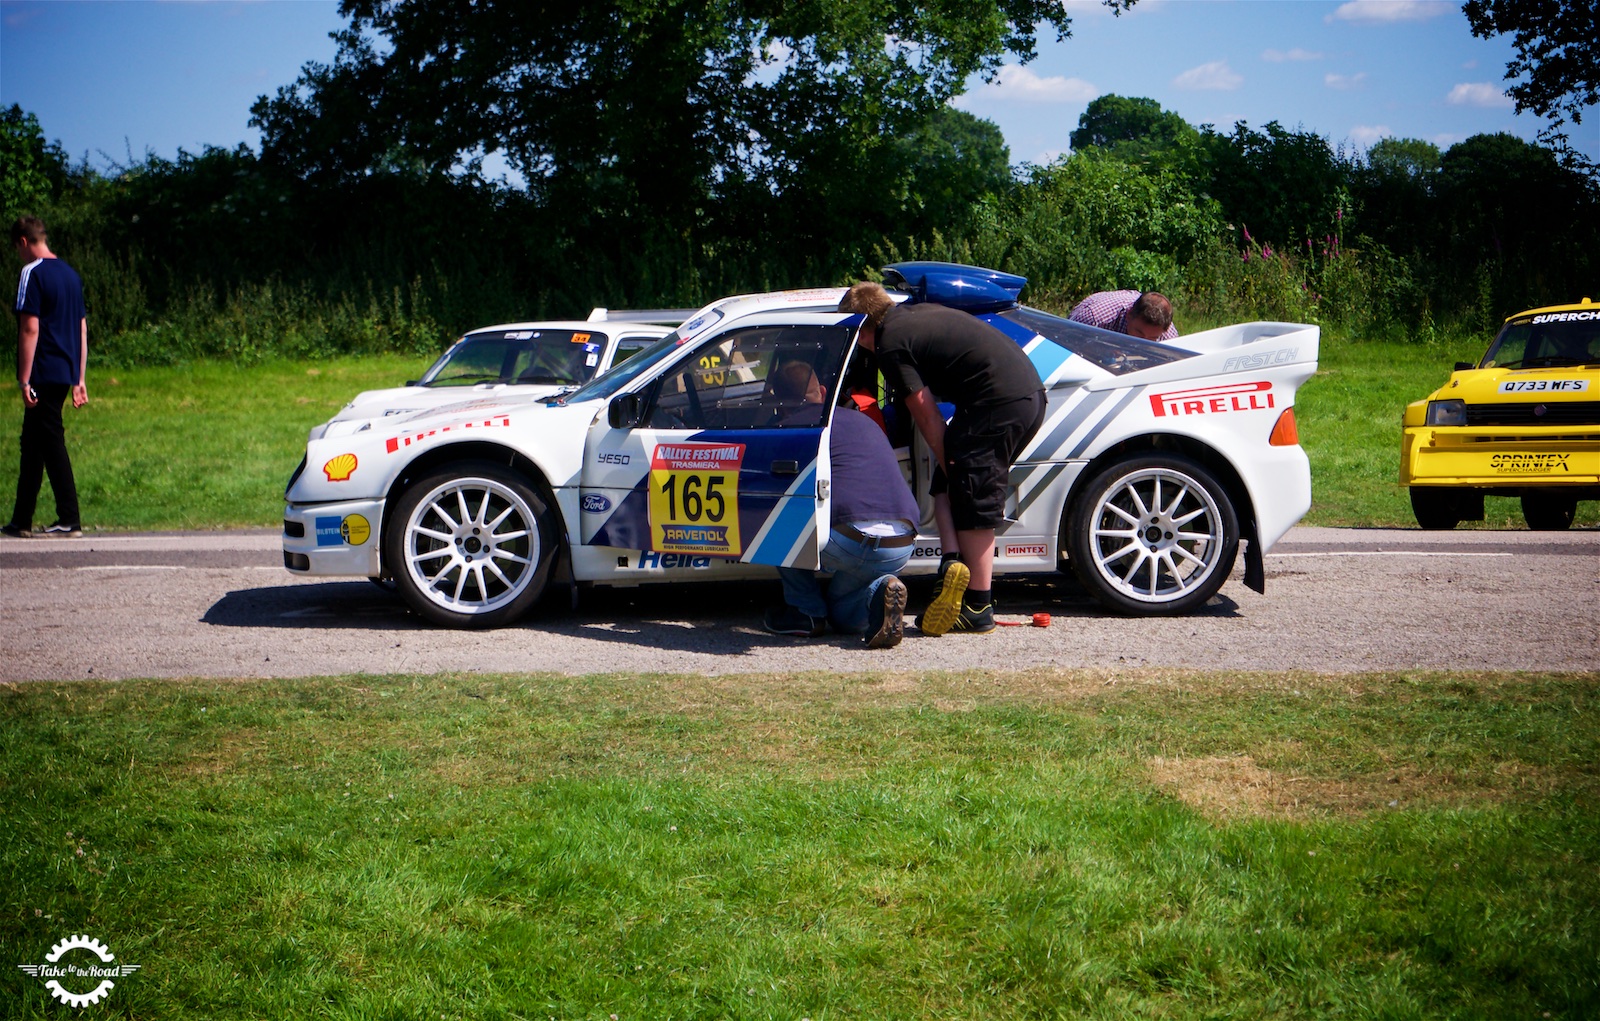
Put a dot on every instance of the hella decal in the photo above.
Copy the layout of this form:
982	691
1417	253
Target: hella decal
394	443
338	469
670	561
1213	399
594	503
1239	363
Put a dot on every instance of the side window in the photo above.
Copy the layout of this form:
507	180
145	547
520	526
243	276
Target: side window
760	377
627	347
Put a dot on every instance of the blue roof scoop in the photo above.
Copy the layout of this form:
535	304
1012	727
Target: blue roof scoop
968	288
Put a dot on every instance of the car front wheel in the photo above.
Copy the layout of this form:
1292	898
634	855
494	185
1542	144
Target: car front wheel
1153	535
1549	512
471	546
1436	509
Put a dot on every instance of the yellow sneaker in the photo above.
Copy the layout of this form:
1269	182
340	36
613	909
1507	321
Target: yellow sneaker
946	605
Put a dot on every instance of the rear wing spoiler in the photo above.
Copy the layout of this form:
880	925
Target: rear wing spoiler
652	316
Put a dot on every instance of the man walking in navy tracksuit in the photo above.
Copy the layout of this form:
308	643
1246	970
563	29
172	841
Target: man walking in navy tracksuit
52	356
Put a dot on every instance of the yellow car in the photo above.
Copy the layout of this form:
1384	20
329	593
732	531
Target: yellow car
1524	421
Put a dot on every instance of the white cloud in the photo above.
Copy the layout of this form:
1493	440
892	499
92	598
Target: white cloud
1478	94
1217	76
1018	83
1344	82
1282	56
1445	141
1367	135
1385	12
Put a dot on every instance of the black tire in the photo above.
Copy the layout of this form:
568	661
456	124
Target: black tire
471	545
1436	509
1154	535
1549	512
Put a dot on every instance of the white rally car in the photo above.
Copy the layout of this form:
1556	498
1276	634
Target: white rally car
682	464
532	359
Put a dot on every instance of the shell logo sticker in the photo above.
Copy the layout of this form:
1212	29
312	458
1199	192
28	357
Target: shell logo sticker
338	469
355	530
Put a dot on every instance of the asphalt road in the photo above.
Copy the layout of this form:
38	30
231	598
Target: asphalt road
220	604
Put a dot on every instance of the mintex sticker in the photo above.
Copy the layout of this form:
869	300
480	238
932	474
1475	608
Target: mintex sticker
1037	550
1544	386
694	498
328	533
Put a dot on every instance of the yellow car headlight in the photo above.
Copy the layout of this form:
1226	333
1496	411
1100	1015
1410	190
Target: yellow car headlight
1447	412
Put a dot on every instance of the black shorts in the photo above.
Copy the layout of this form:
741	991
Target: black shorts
979	446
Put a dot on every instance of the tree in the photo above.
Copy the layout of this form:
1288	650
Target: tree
1282	185
31	169
1129	126
672	119
1558	49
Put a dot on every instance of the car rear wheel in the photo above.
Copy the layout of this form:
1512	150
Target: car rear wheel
1153	535
1436	509
1549	512
471	546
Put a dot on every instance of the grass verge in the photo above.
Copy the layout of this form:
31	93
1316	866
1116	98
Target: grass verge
1036	843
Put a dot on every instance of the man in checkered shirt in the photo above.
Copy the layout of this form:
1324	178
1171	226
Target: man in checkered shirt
1146	315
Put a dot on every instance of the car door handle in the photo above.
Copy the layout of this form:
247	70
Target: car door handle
786	467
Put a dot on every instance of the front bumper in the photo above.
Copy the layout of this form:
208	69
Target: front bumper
1499	457
337	539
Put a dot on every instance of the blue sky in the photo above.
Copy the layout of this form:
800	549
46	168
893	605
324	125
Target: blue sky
110	79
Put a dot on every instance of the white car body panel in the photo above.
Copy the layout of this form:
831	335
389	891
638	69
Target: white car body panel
1225	398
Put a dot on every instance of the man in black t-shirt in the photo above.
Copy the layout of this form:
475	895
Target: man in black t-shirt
928	350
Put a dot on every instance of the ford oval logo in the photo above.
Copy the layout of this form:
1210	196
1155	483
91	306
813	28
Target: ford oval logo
594	503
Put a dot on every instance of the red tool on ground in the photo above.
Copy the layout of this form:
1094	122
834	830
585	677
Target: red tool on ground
1039	620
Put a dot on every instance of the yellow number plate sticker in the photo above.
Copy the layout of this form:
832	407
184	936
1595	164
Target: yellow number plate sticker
694	498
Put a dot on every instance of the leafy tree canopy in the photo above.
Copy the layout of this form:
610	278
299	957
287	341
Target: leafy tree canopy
1129	126
1558	50
31	168
672	113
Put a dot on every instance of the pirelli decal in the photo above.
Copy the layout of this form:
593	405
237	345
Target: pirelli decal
394	443
1211	400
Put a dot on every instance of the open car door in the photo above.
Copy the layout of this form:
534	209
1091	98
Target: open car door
724	453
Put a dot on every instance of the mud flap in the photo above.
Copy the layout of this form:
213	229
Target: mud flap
1255	571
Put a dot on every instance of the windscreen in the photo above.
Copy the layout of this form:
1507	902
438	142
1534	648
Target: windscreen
557	357
1114	352
1546	341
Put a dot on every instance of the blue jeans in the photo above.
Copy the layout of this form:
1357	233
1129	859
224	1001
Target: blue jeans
858	574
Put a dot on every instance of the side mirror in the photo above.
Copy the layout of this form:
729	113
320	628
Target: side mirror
1463	366
626	411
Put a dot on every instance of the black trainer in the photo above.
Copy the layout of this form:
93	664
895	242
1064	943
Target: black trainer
786	620
16	531
974	622
889	609
63	531
945	606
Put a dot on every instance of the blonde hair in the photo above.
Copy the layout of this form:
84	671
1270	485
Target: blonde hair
868	298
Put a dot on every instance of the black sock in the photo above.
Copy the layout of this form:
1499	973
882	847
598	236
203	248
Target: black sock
977	599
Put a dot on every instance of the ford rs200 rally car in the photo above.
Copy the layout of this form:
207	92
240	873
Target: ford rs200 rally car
685	464
1524	421
513	358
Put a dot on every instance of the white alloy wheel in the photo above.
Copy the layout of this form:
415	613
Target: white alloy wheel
470	546
1153	535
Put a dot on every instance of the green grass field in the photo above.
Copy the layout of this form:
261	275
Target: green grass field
1029	844
210	445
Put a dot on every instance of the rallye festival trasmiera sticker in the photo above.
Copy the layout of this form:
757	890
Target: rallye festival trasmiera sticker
694	498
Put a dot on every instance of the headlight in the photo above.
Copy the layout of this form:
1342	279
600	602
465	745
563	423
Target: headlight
1447	412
